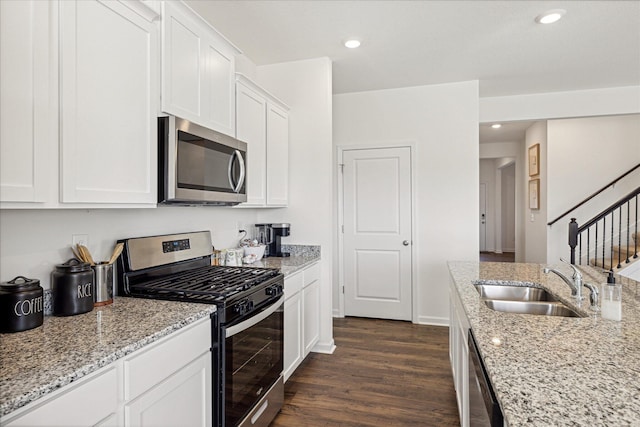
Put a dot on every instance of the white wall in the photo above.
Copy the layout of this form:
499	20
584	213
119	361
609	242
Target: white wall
34	241
536	220
581	103
508	205
443	121
306	87
488	177
584	155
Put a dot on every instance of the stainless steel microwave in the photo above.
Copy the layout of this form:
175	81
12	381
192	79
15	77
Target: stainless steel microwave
199	166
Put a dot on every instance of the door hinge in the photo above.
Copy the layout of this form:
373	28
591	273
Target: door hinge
343	289
342	228
341	167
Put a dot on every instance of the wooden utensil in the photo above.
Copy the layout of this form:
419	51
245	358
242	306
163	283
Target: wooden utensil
76	253
84	251
116	253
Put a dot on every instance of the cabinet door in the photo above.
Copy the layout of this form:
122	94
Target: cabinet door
277	156
28	142
183	399
198	71
219	85
251	127
311	309
108	96
93	401
293	346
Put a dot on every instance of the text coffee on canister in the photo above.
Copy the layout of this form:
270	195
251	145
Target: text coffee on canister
72	286
21	304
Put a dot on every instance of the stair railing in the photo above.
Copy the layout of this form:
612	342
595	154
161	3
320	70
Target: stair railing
615	181
619	222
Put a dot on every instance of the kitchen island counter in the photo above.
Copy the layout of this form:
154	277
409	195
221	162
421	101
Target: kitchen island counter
37	362
551	370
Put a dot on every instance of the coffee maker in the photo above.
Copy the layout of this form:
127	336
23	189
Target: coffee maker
271	235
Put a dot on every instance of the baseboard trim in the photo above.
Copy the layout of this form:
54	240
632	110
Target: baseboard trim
336	313
433	321
325	348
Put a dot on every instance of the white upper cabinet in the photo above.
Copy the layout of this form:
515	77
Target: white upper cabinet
27	80
109	102
251	127
198	70
262	121
277	155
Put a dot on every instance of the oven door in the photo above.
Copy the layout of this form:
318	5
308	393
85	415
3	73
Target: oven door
253	361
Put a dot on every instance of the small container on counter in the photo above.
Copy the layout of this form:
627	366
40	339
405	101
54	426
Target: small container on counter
611	297
21	304
73	288
104	284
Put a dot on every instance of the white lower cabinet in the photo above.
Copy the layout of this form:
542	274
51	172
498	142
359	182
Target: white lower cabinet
293	347
183	399
301	316
90	401
167	383
459	353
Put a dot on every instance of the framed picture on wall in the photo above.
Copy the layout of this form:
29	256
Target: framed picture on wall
534	194
534	160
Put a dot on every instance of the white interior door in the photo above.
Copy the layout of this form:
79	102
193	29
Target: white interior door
483	217
377	233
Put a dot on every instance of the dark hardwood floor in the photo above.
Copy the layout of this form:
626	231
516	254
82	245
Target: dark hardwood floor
494	257
383	373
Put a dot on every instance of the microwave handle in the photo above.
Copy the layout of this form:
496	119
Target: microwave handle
238	156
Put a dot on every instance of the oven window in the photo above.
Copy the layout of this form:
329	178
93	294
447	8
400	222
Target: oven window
253	364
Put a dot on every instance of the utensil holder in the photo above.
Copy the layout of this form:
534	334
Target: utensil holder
104	284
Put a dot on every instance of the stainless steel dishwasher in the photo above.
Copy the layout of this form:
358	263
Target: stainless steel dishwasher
484	409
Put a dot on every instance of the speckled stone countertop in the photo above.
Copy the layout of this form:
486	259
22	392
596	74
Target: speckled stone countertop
301	256
64	349
556	371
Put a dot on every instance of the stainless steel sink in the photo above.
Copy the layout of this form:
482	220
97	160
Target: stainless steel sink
514	293
552	308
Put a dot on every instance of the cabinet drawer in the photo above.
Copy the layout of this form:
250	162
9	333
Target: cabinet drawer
293	284
311	274
92	401
162	359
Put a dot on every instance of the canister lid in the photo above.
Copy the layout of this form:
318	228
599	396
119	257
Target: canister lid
73	265
20	284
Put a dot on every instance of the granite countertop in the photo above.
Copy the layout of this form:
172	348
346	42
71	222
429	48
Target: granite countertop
301	257
64	349
559	371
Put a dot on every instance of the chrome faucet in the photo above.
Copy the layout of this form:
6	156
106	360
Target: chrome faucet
575	283
593	297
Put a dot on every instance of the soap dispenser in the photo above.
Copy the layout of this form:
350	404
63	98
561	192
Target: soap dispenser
611	297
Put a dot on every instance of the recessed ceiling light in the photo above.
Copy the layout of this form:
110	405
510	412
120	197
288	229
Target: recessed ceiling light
496	125
550	16
352	44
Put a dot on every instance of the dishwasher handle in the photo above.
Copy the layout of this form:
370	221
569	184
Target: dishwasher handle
488	396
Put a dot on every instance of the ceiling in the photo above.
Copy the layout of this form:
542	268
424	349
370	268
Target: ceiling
411	43
508	132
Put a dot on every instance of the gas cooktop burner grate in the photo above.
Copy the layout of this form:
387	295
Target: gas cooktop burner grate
213	283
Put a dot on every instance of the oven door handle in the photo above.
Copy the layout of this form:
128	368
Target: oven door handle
246	324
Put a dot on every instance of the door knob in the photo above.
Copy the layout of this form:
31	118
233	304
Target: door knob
406	243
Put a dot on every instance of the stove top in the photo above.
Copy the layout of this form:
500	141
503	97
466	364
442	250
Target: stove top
207	284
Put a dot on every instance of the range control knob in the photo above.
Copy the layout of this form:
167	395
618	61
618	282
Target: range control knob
241	307
274	290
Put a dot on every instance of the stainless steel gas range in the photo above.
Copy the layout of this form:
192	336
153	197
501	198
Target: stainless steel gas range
247	329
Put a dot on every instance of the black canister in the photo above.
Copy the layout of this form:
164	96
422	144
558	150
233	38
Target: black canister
72	287
21	304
